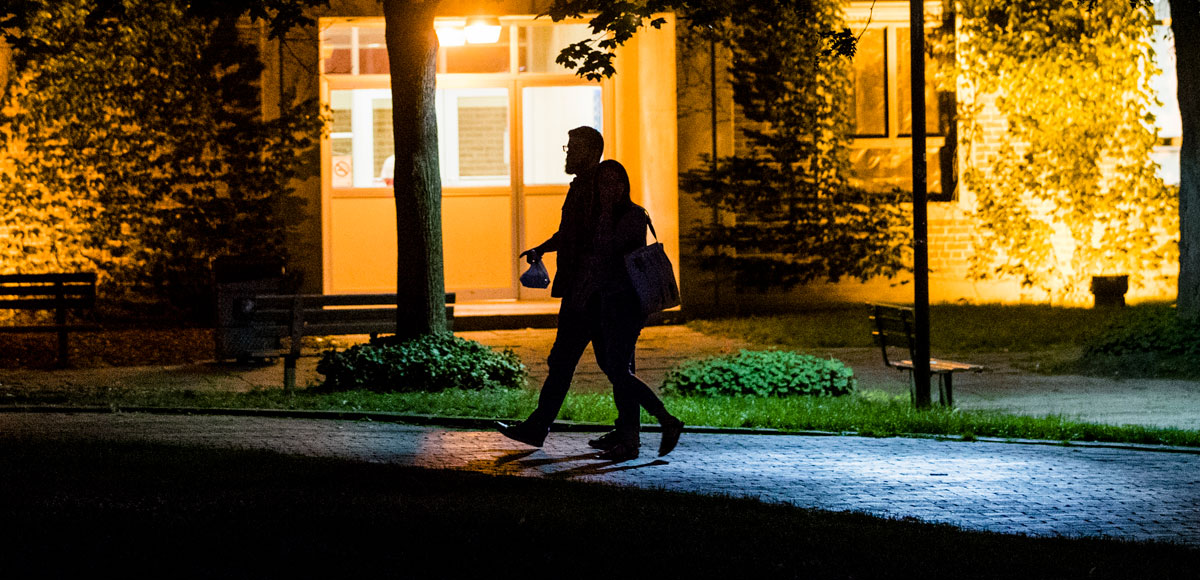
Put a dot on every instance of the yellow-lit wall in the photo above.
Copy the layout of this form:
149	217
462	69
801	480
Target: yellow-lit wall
358	249
646	128
950	224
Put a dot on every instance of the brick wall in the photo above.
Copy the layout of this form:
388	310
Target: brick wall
482	141
950	244
384	142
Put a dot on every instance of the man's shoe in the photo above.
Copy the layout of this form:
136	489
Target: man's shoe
619	452
523	433
604	442
671	430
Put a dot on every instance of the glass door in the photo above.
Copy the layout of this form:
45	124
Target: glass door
476	157
503	108
547	113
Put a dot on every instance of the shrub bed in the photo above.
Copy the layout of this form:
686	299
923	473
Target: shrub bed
1145	341
429	363
769	373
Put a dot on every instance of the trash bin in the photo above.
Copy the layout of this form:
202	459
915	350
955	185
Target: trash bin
237	280
1109	291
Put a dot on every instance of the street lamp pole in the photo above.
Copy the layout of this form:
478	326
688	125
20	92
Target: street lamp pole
922	397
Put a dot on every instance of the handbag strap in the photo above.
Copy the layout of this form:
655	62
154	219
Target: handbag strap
650	223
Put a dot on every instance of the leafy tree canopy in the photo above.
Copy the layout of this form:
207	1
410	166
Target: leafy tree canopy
792	215
615	23
138	147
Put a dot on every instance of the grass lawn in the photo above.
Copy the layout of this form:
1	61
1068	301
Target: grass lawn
954	329
95	507
869	413
1057	340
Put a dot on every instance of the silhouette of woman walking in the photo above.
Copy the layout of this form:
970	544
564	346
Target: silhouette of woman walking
600	225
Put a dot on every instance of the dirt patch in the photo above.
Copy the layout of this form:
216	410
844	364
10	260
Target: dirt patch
108	348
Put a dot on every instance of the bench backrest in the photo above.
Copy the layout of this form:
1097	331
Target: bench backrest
47	291
892	326
328	314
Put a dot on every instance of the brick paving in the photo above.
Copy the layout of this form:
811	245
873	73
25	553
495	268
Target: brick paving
1002	487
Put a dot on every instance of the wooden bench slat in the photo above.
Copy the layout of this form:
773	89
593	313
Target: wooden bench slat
300	315
342	328
328	315
48	292
49	328
273	301
940	366
72	287
44	303
893	327
59	292
88	277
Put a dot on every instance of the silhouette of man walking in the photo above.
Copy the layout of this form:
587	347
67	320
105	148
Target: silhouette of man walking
599	226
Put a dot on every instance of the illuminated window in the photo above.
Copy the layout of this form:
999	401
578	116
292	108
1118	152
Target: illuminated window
870	85
473	136
360	137
546	131
881	106
476	58
476	104
933	120
357	50
540	45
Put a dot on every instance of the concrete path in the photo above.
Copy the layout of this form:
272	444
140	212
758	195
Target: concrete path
1002	487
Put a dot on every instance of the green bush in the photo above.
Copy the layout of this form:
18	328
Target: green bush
769	373
1147	330
430	363
1146	341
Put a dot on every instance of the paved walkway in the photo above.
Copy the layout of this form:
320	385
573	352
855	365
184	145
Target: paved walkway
1003	487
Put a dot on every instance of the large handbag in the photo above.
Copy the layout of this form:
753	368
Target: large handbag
652	276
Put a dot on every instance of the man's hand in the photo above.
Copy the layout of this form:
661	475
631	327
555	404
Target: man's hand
531	255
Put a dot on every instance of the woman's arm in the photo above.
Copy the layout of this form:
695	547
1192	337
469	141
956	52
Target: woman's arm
631	230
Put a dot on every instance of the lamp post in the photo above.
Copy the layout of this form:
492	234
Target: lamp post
920	230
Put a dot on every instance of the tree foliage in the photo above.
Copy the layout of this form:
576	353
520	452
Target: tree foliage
795	218
1071	190
136	143
614	23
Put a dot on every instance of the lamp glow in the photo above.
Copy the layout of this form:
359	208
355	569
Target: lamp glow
483	30
450	35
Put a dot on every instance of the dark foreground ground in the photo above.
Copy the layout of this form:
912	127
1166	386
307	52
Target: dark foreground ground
72	508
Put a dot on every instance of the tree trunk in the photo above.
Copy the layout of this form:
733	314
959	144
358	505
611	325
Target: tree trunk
412	53
1185	27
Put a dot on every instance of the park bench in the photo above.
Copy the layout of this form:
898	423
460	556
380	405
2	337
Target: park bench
892	328
295	316
57	292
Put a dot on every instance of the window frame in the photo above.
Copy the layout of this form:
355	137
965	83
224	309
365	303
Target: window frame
893	18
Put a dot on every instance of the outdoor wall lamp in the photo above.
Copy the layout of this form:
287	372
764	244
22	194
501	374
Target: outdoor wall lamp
483	30
474	30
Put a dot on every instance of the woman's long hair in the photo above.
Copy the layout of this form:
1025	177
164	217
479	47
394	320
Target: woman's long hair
611	201
612	188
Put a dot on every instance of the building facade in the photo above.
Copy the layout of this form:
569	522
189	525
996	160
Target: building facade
504	107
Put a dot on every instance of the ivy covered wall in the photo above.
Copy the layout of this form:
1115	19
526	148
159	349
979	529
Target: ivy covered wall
1055	102
135	145
1056	132
791	215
